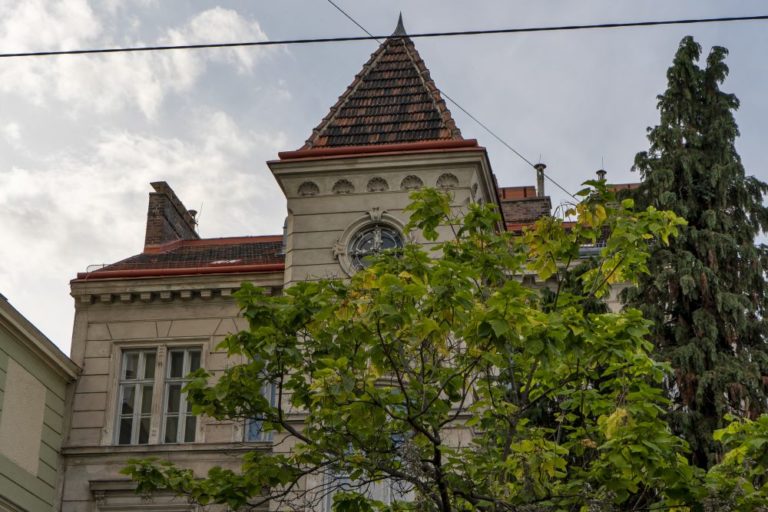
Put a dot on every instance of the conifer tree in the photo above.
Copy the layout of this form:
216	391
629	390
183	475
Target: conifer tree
706	291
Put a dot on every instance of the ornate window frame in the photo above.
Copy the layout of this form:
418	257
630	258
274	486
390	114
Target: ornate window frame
372	217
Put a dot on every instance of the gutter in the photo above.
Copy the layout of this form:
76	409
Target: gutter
159	272
342	151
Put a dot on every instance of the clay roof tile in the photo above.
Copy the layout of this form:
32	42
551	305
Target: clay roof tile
217	252
392	100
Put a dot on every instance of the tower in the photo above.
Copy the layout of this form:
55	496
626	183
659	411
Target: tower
389	134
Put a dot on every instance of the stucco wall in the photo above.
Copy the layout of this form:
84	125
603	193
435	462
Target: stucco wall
114	315
323	216
32	408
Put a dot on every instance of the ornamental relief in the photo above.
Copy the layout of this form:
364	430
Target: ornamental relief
377	184
343	187
308	188
447	180
411	183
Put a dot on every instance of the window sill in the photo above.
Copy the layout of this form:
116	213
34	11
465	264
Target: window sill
156	449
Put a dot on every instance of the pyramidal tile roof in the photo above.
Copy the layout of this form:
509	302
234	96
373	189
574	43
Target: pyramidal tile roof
392	100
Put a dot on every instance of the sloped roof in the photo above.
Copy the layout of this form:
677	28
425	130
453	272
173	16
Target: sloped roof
211	255
392	100
29	336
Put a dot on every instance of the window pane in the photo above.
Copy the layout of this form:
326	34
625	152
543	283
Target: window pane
271	394
125	431
176	368
149	365
194	362
136	396
144	431
171	426
179	428
126	406
174	398
254	431
146	399
131	365
189	429
254	428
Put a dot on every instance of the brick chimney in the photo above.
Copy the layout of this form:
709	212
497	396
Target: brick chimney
523	205
167	218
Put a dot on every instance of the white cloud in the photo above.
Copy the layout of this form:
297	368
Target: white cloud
107	83
115	7
11	132
76	209
227	26
31	25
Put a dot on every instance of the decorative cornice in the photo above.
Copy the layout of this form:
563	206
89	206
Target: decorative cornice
146	297
169	288
430	145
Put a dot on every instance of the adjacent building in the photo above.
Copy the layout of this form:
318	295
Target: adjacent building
36	381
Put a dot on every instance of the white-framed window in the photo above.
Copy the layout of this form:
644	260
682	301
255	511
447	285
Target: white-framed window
254	431
137	382
150	397
386	491
179	425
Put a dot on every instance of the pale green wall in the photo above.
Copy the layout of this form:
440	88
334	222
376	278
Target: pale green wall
33	492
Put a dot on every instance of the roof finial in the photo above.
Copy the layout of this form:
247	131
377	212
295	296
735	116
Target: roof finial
400	29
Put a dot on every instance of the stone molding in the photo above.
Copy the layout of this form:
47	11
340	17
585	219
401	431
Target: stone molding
168	289
162	450
162	295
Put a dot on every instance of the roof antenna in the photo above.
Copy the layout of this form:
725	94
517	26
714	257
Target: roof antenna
400	29
197	218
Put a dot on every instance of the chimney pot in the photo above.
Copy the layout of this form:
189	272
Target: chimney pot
540	178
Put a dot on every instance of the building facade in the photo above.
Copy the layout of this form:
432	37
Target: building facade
36	381
143	323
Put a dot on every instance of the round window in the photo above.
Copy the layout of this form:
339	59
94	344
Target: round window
372	239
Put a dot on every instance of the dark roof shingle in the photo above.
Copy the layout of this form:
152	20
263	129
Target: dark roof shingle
208	254
392	100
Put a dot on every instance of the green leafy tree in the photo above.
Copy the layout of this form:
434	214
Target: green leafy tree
740	481
706	291
451	381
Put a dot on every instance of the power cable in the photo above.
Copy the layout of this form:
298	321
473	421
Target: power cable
353	20
371	37
475	119
413	36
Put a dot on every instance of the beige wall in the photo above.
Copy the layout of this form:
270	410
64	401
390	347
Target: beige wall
114	315
321	223
34	380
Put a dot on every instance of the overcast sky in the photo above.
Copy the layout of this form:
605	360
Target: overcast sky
81	137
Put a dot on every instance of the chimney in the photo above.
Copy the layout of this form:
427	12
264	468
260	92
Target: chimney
167	218
601	174
540	179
